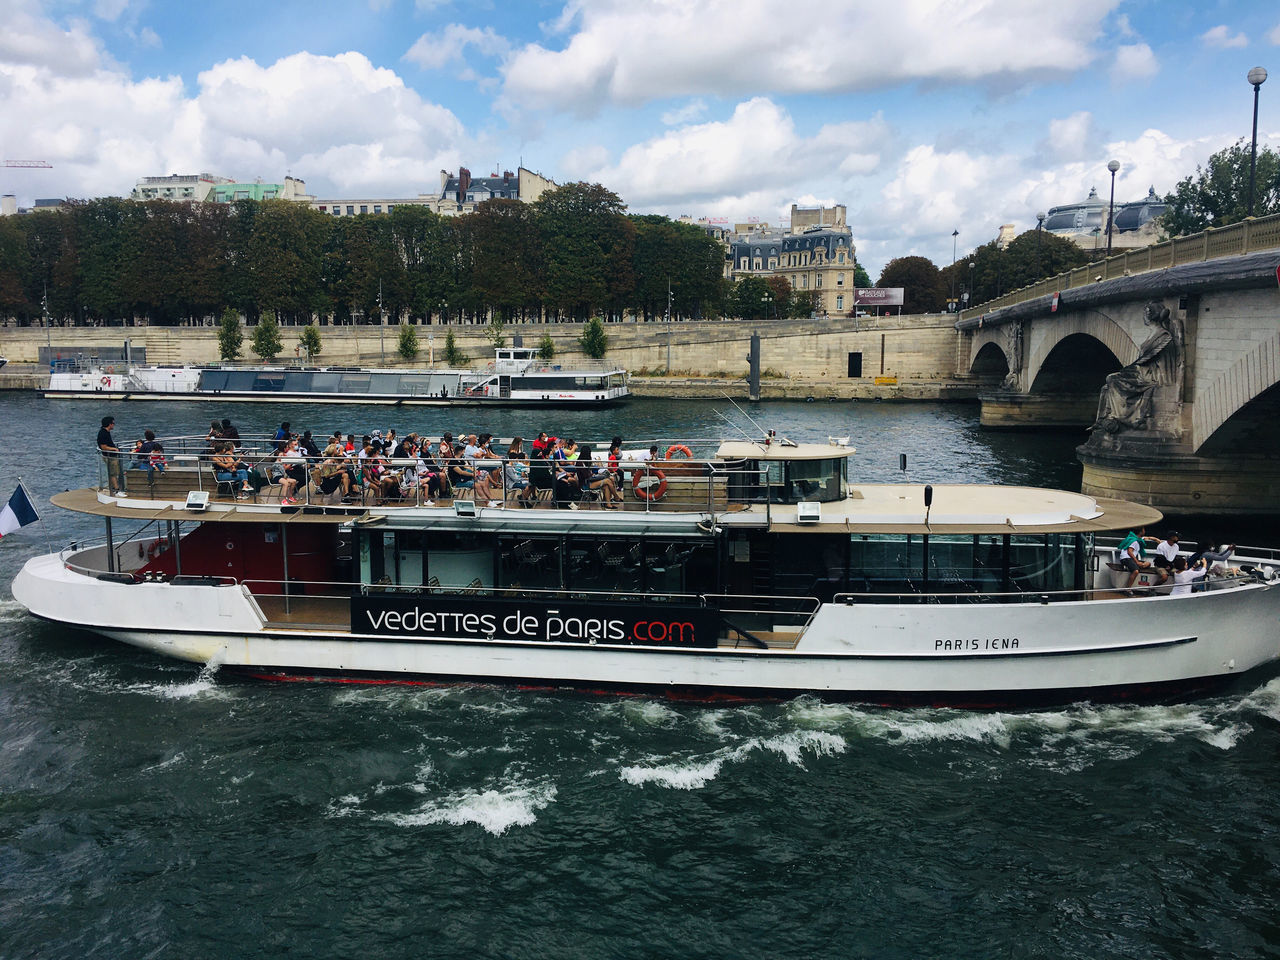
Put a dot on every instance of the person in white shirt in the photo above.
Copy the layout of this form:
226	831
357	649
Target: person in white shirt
1166	551
1183	577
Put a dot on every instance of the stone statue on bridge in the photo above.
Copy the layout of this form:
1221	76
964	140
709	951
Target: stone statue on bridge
1126	400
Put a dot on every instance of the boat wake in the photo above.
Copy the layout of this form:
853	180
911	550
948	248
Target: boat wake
514	802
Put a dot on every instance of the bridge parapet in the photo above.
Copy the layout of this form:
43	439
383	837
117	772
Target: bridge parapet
1254	235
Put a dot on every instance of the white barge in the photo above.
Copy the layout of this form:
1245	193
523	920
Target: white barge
757	570
516	377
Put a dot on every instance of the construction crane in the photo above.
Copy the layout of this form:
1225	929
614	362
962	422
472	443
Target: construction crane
38	164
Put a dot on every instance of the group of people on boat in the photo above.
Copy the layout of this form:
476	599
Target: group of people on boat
386	468
1168	563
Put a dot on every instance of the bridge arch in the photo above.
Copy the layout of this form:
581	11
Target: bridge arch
1068	342
990	362
1239	411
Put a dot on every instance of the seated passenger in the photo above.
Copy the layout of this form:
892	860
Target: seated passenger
596	476
227	468
516	473
1183	577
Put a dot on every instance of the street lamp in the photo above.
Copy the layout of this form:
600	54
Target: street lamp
954	233
972	291
1039	228
1257	76
1113	166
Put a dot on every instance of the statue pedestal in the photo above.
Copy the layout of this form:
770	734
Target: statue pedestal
1149	468
1009	410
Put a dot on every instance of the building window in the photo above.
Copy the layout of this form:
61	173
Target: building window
364	208
351	211
804	281
773	263
377	208
840	256
390	207
840	302
839	279
757	266
819	283
743	264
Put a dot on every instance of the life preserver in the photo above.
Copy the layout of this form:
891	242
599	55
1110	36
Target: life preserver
678	448
154	548
105	381
649	484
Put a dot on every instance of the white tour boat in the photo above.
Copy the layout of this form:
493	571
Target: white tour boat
515	377
755	569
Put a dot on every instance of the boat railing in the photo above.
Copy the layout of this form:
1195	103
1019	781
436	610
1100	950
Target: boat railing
924	595
682	485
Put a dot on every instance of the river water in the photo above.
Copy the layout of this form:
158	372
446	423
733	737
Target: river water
148	809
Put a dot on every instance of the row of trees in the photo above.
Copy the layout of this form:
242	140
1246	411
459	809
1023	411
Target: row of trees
571	255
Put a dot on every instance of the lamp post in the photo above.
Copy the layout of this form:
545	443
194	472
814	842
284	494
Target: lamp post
954	233
972	292
1257	76
1113	166
1097	232
1039	229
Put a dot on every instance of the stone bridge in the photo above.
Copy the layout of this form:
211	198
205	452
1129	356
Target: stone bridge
1194	427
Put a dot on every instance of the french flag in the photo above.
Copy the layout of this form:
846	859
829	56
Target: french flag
18	512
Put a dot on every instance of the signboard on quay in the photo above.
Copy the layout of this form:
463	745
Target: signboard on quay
878	296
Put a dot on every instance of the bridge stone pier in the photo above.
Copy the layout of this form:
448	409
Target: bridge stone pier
1174	373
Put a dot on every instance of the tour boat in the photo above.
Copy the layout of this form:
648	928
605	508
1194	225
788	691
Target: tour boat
515	377
756	568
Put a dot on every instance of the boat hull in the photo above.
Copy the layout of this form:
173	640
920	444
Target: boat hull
1123	649
373	399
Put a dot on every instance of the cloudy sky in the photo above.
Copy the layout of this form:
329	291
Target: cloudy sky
922	116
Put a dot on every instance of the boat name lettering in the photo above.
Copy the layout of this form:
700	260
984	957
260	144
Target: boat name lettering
677	625
976	644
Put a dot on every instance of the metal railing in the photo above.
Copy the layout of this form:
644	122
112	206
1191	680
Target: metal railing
1249	236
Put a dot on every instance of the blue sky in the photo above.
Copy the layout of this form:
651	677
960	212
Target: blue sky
922	116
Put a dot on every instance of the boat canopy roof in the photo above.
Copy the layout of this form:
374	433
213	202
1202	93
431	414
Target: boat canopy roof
780	450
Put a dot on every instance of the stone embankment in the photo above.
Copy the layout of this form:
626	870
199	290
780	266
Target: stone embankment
900	358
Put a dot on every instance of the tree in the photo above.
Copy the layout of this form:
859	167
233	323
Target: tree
266	342
594	341
407	345
310	340
751	298
453	356
923	289
494	334
1219	192
546	348
589	245
230	338
860	275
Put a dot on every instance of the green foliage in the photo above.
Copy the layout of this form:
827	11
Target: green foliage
860	275
494	333
752	298
1030	257
453	355
923	289
266	342
1219	192
310	340
594	341
230	337
407	343
546	347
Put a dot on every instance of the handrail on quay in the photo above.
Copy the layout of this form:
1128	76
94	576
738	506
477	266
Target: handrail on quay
1251	235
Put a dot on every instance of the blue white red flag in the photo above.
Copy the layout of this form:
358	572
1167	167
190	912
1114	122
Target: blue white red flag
18	512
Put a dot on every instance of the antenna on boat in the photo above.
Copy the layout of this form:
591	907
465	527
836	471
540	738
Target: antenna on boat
749	438
763	431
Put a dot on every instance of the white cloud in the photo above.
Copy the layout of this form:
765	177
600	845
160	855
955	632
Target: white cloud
28	38
1070	137
1274	35
689	112
630	53
1134	61
434	51
1222	38
1124	27
694	164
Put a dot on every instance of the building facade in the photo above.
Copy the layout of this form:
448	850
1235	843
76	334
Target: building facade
183	187
1085	223
459	193
818	260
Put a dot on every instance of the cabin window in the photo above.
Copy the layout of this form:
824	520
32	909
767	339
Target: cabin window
822	481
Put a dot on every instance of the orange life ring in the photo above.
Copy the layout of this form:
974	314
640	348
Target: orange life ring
105	381
644	487
154	548
678	448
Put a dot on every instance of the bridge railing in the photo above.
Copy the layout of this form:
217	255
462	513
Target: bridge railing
1236	239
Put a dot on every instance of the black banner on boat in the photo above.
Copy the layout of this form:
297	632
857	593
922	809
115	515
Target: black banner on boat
482	618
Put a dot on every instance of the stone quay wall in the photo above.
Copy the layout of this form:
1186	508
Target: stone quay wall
798	358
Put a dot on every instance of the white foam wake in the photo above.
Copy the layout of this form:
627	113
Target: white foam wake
494	810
